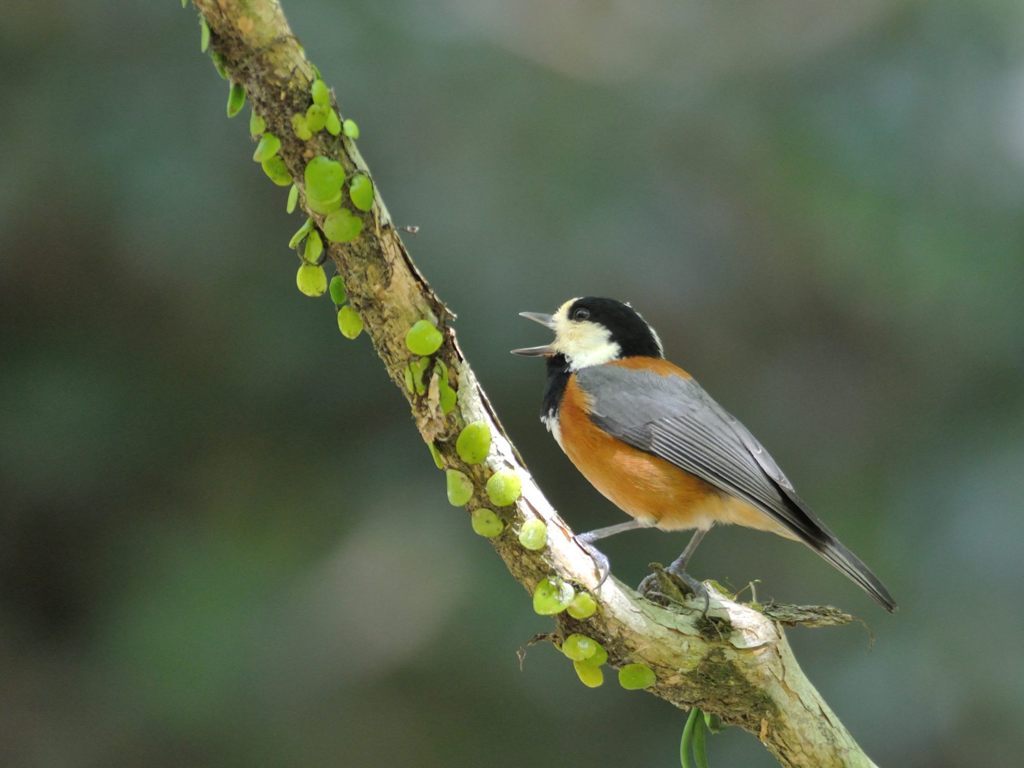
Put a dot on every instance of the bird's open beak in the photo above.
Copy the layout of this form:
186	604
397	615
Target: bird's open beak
539	317
542	351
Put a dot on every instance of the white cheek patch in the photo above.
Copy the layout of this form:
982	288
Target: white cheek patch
584	343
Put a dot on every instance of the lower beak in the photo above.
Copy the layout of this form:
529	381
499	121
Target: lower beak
544	351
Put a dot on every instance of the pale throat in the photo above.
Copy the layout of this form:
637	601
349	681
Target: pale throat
585	344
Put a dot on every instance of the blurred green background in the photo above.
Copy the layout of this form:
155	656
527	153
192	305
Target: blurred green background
222	542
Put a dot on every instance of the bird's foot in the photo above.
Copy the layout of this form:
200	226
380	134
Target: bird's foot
673	583
601	565
658	582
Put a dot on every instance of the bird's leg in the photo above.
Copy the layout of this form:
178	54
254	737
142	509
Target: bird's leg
586	540
678	566
678	569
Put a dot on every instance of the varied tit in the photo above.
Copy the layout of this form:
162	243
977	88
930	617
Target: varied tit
649	438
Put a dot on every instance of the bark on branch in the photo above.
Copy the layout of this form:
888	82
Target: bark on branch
736	661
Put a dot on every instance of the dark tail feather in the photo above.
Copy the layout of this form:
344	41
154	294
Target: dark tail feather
848	563
819	538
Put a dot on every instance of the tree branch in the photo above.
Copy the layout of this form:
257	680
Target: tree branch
735	661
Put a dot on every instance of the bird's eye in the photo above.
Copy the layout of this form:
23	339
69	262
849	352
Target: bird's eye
581	313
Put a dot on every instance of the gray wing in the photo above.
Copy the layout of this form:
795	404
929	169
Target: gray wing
672	417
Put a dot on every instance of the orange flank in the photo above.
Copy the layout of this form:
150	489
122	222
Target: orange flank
647	487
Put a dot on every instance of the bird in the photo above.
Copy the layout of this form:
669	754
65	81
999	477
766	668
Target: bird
649	438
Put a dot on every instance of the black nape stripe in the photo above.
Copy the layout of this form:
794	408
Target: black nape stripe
630	331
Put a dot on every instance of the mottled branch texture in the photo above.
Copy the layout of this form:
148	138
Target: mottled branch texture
734	662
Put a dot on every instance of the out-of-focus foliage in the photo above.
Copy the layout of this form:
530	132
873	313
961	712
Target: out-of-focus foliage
222	542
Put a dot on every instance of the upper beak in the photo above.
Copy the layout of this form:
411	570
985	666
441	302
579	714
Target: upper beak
542	351
539	317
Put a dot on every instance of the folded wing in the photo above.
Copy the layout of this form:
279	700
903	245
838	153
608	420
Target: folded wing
672	417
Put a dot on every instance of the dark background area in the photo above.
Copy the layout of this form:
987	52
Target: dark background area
221	541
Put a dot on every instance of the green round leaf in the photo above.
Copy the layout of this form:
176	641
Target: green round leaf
579	647
300	128
635	677
504	487
342	225
316	117
257	124
423	338
533	535
333	123
590	675
418	368
267	147
474	442
311	280
314	248
323	206
351	129
323	177
320	92
448	395
360	190
448	400
293	199
337	288
277	171
600	656
583	606
486	523
349	322
551	596
301	232
460	487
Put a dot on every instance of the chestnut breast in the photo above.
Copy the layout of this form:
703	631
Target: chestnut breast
644	486
647	487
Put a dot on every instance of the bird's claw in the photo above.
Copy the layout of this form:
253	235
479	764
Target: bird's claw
672	583
601	564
